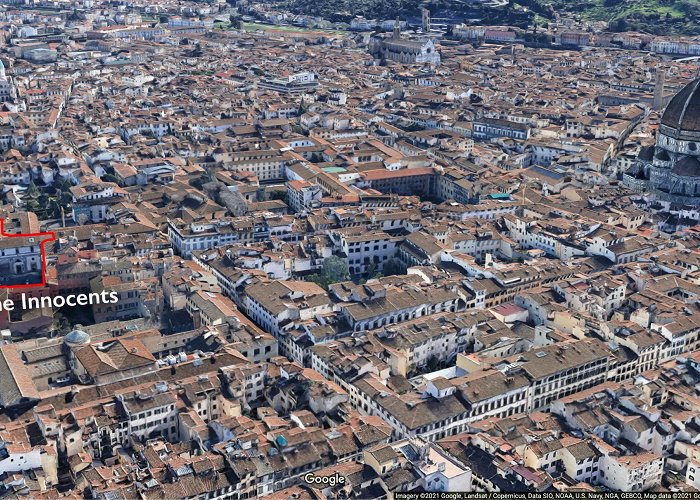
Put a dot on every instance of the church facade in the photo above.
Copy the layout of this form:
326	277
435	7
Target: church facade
403	51
6	88
669	171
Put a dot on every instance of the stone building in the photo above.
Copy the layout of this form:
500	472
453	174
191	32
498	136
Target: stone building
21	258
404	51
670	170
7	91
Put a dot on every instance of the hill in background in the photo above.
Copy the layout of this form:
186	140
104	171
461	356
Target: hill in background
658	17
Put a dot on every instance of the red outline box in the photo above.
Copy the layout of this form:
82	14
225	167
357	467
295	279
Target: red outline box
43	254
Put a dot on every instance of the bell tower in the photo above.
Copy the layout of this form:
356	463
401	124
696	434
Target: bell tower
397	29
425	14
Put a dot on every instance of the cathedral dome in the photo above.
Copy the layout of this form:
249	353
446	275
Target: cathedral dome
673	175
687	167
683	112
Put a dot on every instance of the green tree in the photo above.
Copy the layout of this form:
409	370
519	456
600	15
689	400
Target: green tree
62	198
32	190
278	195
54	208
61	325
303	107
394	266
62	184
335	269
318	279
43	201
235	21
433	364
619	25
372	271
196	51
32	205
111	178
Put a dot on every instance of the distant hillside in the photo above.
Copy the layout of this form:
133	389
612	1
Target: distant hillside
344	10
659	17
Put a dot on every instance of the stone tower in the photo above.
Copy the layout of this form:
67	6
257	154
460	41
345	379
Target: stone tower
659	88
425	13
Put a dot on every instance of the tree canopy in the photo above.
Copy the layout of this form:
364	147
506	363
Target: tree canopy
334	270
